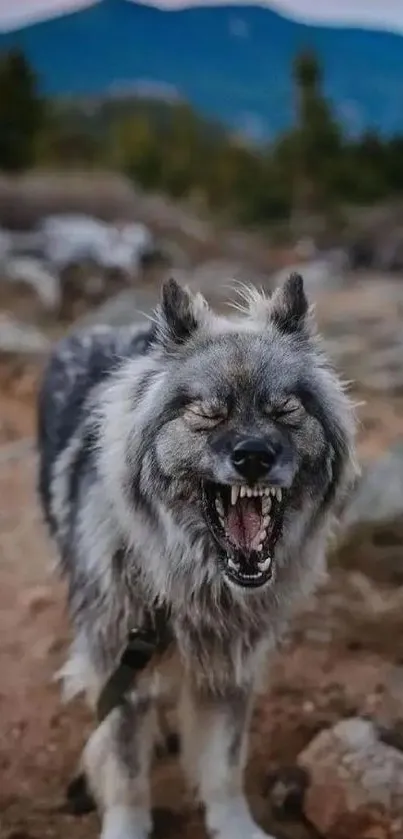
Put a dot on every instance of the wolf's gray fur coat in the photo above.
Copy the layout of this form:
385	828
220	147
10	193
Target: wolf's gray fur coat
131	423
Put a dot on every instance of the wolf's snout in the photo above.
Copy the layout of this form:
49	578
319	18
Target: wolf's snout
253	458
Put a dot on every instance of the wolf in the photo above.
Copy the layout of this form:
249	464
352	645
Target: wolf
196	465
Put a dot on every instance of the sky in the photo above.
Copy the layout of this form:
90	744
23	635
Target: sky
379	13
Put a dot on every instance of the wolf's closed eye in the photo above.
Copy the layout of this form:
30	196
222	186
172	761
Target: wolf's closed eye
289	410
201	417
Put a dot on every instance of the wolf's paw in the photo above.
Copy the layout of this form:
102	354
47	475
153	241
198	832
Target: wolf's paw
126	823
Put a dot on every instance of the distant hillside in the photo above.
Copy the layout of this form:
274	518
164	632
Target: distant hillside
231	62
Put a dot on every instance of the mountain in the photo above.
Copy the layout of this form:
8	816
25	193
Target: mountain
231	62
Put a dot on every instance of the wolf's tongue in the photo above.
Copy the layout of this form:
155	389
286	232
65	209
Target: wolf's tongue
243	523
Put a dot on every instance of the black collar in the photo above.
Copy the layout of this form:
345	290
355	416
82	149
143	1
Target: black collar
152	638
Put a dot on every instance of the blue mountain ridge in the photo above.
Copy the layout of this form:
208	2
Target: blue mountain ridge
230	62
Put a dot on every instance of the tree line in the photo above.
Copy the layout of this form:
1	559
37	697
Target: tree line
314	167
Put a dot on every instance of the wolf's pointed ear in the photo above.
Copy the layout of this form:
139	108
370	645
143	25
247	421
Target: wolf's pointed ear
289	308
179	313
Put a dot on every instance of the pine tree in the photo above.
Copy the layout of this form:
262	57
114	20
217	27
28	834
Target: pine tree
317	139
21	112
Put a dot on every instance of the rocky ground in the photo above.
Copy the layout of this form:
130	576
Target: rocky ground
326	756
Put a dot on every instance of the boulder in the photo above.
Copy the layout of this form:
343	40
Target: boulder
219	279
21	338
351	771
71	239
35	274
379	493
371	535
125	308
5	246
324	272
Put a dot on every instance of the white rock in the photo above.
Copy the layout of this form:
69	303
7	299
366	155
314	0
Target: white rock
34	273
379	494
71	239
16	337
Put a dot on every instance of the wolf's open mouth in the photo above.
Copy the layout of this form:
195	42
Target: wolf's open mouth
246	522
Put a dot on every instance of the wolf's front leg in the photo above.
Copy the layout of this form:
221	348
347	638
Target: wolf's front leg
214	733
117	764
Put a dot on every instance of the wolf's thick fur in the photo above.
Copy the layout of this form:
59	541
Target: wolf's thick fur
121	465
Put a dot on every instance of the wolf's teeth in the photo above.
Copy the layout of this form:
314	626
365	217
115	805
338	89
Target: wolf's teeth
232	564
234	495
219	507
264	564
242	491
279	495
266	505
259	540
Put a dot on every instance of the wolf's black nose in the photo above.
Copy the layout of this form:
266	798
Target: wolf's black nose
253	459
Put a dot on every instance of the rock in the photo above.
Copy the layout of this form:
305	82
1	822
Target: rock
383	370
324	272
212	278
122	309
392	735
387	709
16	337
375	238
176	255
350	769
363	330
286	792
34	273
389	253
30	197
169	215
369	823
5	246
305	248
361	253
371	534
71	239
218	279
379	493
